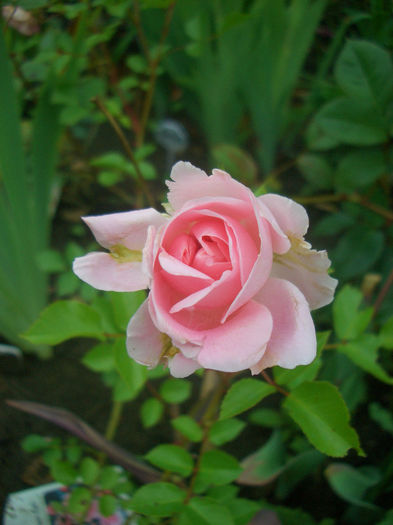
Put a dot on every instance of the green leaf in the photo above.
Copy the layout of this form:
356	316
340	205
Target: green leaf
151	412
100	358
175	390
158	499
218	468
172	458
351	484
364	71
351	122
316	170
267	417
188	427
243	395
225	430
204	511
265	464
359	169
35	443
364	352
80	500
124	305
50	261
132	373
107	504
109	477
386	334
63	472
64	320
321	413
348	320
73	453
243	510
383	417
296	470
89	470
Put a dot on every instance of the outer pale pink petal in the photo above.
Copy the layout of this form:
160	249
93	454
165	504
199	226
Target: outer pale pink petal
144	341
291	217
104	272
240	342
293	340
181	366
190	183
127	228
307	269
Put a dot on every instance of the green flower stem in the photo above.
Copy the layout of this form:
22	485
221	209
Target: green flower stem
114	420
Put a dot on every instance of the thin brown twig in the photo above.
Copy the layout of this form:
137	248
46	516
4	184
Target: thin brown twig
136	18
153	76
383	292
127	149
269	380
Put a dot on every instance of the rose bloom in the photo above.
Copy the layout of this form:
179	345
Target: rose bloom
231	279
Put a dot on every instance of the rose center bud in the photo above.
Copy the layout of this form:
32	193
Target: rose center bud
212	257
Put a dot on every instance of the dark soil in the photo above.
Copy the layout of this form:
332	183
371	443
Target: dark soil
63	382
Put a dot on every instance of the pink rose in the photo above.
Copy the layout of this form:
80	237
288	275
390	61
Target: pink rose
231	279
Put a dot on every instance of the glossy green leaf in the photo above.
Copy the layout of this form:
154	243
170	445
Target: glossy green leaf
80	500
383	417
64	320
218	468
296	470
100	358
386	334
360	168
204	511
242	395
63	472
265	464
107	504
175	390
364	352
188	427
132	373
316	170
351	122
225	430
89	470
321	413
351	484
364	71
349	320
172	458
151	412
160	499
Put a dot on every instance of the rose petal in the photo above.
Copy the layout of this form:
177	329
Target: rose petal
259	272
240	342
127	228
144	341
190	183
293	340
291	217
104	272
181	366
306	269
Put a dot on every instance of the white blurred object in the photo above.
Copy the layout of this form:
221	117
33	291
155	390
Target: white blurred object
20	19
